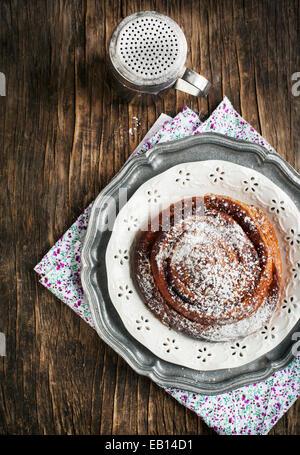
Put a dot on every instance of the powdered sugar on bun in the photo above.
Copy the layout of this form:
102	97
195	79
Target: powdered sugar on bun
210	269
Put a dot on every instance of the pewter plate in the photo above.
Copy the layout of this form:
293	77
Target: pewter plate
94	274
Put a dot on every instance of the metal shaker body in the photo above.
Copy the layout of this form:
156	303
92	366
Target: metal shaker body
147	54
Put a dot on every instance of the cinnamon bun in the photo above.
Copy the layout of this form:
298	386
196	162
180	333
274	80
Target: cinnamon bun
209	267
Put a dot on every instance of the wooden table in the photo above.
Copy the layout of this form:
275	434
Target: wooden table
64	135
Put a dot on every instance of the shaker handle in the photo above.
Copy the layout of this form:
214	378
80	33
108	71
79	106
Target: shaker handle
193	83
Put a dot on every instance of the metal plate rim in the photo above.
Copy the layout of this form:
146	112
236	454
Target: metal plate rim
136	355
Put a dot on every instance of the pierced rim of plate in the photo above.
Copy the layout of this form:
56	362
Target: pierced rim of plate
186	180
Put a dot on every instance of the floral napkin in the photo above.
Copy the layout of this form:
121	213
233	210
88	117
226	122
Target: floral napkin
252	409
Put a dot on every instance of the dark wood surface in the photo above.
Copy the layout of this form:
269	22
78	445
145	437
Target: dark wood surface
63	137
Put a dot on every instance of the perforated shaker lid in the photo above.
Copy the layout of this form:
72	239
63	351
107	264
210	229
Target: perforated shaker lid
148	51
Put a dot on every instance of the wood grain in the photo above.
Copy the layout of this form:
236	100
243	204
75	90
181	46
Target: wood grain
63	136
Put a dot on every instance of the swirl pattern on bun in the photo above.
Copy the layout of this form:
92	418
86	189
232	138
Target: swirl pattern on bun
209	267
